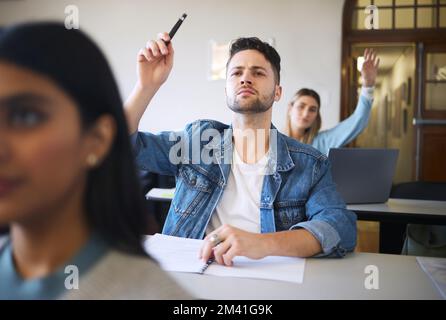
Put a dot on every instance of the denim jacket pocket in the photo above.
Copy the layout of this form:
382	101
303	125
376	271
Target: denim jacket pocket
195	186
288	213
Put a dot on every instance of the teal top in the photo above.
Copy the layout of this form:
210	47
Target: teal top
346	130
13	286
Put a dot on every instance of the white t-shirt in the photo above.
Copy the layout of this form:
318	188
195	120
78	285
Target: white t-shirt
240	202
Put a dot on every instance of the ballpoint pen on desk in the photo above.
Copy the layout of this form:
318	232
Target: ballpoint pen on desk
207	264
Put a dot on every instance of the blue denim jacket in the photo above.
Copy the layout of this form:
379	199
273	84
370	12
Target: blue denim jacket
299	193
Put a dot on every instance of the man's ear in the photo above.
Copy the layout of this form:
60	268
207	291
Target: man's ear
277	93
99	140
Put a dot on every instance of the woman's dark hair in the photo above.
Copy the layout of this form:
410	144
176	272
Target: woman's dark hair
113	200
264	48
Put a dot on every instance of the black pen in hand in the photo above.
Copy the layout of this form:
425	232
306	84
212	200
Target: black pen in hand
175	28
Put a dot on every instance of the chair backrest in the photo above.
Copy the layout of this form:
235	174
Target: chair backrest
421	190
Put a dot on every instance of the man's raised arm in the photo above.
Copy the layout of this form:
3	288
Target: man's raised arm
154	64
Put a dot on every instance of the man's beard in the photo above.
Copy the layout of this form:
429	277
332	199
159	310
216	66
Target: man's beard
256	106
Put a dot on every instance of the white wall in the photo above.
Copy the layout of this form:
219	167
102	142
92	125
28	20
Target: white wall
307	35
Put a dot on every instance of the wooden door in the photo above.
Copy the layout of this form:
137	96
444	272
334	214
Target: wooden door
430	120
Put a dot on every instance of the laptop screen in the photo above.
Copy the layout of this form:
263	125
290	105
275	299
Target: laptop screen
363	175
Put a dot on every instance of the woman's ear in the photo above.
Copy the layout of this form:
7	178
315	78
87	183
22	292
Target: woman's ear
99	140
290	106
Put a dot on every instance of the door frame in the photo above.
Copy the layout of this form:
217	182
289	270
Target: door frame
429	37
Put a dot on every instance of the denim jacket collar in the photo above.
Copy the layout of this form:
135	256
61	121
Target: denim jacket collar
280	158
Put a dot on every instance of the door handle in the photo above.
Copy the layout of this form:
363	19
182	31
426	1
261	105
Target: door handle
428	122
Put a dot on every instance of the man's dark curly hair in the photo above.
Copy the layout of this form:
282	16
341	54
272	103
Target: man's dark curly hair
264	48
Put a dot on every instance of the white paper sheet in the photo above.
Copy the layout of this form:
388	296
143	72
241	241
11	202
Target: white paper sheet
273	268
159	193
435	268
175	254
181	254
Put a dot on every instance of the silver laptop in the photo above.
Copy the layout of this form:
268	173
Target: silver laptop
363	175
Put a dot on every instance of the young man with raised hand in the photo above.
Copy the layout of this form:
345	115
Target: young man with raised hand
245	188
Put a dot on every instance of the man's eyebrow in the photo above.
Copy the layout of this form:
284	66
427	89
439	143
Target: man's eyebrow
24	98
251	68
259	67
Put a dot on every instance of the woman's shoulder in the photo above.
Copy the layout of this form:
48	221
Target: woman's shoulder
123	276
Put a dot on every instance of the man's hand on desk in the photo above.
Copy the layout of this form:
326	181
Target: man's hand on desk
227	242
233	242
